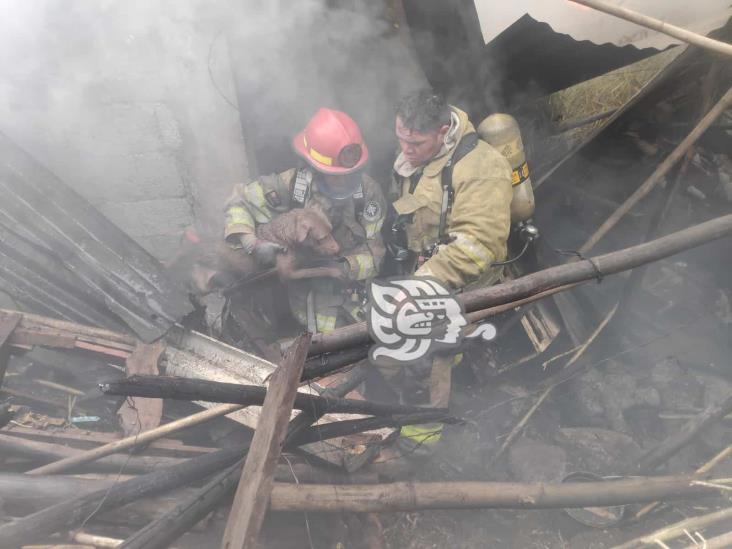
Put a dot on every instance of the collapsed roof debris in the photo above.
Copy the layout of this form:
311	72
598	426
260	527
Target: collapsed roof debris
79	265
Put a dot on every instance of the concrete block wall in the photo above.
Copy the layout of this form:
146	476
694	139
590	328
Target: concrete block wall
131	103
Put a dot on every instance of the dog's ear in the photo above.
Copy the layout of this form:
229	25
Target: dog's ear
318	216
303	228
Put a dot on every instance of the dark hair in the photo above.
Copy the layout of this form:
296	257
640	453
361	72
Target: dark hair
423	111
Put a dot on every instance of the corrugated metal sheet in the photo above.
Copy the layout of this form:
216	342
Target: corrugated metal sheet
62	257
583	23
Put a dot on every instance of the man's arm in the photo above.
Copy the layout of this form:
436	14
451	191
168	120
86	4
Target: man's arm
247	207
480	221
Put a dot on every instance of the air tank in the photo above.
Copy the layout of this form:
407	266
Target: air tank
502	132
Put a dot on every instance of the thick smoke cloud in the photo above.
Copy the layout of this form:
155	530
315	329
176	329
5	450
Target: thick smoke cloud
294	57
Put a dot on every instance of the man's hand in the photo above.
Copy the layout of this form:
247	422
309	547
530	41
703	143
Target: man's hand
264	251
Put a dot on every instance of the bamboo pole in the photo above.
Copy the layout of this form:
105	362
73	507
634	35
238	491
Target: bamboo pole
414	496
662	169
718	542
96	541
684	35
677	529
135	440
540	281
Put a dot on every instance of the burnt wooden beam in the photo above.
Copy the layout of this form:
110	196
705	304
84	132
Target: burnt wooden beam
180	388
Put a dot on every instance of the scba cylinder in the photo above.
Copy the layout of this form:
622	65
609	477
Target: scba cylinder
502	132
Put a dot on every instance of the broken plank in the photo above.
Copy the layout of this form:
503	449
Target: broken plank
252	495
142	414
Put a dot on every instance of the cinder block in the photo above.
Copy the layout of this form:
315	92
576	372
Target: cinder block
129	178
162	247
150	217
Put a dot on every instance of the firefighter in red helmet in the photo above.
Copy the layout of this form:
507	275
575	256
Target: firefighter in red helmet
332	180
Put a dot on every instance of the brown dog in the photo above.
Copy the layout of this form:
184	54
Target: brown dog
207	265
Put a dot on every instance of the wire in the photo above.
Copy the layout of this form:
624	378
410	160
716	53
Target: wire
307	521
131	404
513	259
210	71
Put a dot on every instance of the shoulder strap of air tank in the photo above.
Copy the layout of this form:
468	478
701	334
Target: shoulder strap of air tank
466	144
301	187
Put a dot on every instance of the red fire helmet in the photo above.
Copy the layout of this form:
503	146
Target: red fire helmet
332	143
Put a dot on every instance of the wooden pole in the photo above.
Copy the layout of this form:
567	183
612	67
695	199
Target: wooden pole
183	388
656	456
412	496
663	168
658	25
568	273
252	495
135	440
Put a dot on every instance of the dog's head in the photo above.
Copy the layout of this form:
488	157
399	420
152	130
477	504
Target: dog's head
314	231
